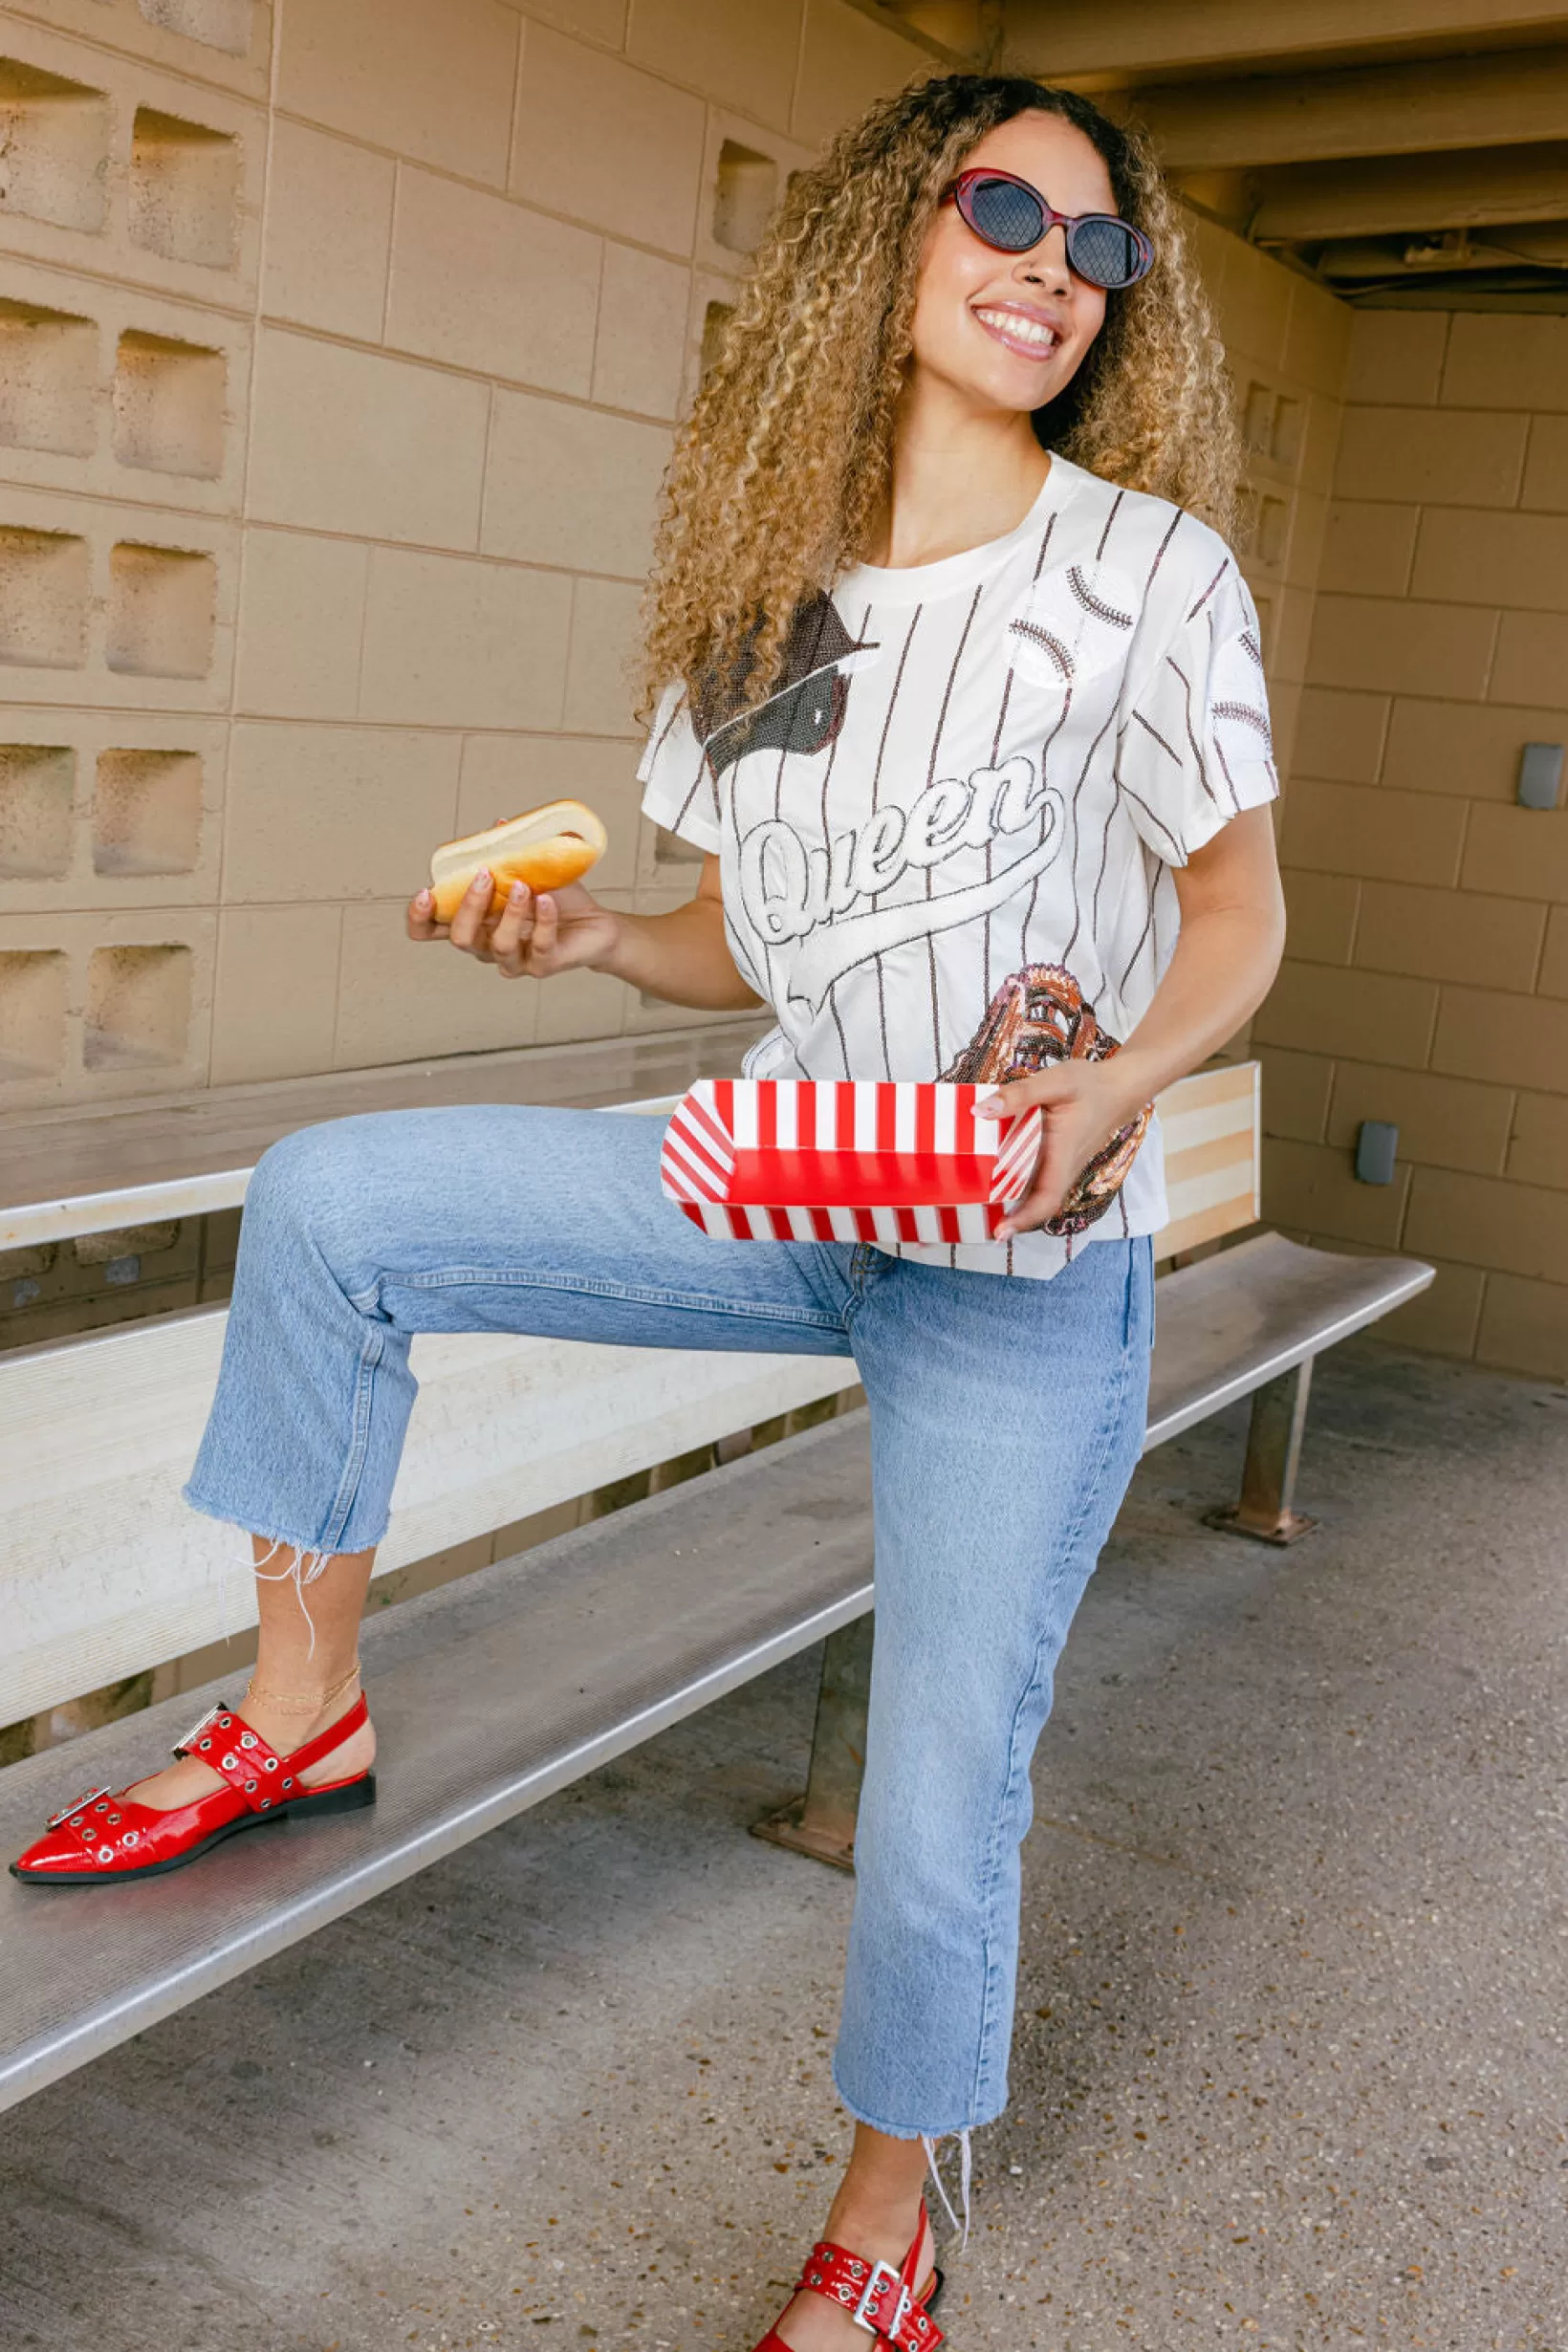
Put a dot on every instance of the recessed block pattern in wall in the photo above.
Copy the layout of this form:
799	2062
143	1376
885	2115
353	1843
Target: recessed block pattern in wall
53	147
138	1007
219	23
1290	419
168	404
715	325
37	787
1257	418
1272	530
183	189
48	364
147	813
44	580
31	1011
1264	606
161	605
1272	424
747	192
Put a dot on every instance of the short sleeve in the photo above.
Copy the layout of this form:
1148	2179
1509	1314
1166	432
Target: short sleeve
1196	747
678	789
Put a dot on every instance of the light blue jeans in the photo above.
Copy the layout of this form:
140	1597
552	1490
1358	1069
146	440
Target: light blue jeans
1006	1419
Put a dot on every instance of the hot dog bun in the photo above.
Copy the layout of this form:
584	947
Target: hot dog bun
545	848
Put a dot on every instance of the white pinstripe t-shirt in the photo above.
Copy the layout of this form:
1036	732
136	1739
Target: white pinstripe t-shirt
953	823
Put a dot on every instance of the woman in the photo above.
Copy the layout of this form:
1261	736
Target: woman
964	707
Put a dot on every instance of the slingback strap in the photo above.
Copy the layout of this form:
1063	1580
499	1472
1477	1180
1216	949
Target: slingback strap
336	1735
259	1773
877	2296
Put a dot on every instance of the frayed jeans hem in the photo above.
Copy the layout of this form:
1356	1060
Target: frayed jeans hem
910	2131
305	1546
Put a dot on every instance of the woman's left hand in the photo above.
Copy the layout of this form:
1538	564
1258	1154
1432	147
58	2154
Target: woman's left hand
1083	1104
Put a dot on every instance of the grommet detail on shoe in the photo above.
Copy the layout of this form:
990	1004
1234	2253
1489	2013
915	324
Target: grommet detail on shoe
289	1782
76	1821
114	1820
876	2297
101	1808
247	1739
267	1804
132	1836
106	1853
207	1743
268	1764
230	1762
224	1722
251	1788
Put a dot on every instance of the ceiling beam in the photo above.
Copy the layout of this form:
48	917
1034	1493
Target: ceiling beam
1511	97
1141	39
1387	194
956	31
1502	248
966	27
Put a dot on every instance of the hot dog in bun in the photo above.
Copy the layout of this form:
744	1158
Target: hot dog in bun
545	848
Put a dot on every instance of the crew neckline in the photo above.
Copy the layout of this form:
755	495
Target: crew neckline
918	583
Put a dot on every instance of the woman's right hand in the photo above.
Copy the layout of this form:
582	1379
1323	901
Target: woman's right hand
532	936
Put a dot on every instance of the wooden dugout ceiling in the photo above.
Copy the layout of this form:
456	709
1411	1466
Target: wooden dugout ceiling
1405	152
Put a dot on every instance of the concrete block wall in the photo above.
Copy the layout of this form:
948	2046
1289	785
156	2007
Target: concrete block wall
340	344
1427	976
1286	343
333	393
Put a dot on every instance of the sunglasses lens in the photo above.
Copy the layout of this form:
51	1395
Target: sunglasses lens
1005	215
1104	250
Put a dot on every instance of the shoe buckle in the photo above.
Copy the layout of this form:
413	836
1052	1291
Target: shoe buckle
180	1746
882	2276
79	1804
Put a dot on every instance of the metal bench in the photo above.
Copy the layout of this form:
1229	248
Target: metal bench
104	1574
611	1632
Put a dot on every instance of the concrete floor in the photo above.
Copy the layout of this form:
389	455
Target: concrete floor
1290	2067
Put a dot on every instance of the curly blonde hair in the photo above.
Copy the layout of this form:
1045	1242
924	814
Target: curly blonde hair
783	463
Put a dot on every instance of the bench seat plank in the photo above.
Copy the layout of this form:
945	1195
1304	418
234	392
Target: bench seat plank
1211	1127
104	1571
1225	1326
72	1172
489	1696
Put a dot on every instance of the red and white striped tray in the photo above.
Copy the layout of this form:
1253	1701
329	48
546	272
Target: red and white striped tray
818	1160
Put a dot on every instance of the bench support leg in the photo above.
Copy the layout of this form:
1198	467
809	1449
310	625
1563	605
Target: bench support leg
1273	1454
821	1823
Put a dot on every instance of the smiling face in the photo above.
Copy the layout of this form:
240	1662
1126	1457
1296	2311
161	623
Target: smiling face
1012	330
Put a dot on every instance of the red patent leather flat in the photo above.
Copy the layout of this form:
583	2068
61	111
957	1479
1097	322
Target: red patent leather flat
878	2298
105	1838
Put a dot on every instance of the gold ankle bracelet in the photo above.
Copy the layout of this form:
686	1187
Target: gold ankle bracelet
308	1702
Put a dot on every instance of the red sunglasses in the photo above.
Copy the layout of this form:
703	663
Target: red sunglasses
1007	213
